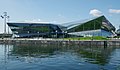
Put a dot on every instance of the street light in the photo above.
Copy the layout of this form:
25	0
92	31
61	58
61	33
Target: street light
38	34
5	17
63	34
66	33
56	33
8	17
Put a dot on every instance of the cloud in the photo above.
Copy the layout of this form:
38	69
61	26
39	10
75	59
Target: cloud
95	12
115	11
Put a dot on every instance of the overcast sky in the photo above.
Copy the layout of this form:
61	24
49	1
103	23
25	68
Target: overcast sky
59	11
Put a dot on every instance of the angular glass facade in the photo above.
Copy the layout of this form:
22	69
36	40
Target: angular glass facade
91	33
118	32
34	29
99	26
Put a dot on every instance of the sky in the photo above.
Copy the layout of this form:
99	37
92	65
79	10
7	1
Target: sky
59	11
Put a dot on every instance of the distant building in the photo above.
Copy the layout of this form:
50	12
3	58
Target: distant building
98	26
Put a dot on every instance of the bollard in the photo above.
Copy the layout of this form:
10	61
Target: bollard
105	44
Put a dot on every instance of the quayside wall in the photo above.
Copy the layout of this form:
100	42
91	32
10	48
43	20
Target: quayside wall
62	42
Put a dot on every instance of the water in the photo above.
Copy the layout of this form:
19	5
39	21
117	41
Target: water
57	57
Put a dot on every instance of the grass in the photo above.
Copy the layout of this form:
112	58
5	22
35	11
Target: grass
87	38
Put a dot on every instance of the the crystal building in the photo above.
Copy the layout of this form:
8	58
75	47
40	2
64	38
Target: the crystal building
34	29
118	31
98	26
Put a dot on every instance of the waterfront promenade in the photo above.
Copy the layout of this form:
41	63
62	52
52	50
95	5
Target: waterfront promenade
111	42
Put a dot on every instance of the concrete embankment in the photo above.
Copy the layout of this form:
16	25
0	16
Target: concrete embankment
62	42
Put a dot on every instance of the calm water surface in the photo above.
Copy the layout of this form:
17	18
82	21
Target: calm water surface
57	57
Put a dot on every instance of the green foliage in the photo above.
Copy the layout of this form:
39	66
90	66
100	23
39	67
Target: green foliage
88	38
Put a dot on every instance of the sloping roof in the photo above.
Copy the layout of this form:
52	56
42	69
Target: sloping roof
30	22
35	23
76	23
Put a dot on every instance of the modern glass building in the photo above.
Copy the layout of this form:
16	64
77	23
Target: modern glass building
35	29
98	26
118	31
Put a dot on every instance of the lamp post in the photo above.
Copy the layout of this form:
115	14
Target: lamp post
8	17
56	33
38	34
63	34
5	17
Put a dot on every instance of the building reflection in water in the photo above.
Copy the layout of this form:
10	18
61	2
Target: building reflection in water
4	56
47	54
32	53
